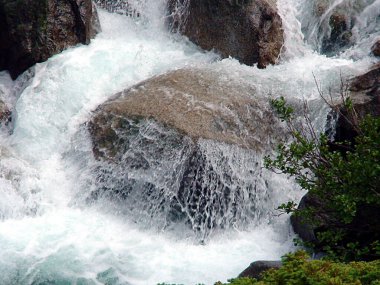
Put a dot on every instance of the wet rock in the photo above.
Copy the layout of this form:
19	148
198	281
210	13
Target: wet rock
33	31
250	31
302	226
199	104
364	228
122	7
186	147
331	25
339	35
376	48
5	114
255	269
365	94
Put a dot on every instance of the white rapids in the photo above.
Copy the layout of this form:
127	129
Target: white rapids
46	237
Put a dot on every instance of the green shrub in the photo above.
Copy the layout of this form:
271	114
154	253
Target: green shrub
345	181
298	270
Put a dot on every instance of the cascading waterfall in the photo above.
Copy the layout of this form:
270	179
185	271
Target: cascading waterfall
58	222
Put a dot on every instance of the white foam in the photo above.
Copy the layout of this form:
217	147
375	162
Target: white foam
45	234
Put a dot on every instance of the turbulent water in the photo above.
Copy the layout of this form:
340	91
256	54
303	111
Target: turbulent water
50	233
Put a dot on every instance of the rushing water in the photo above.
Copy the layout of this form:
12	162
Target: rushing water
48	235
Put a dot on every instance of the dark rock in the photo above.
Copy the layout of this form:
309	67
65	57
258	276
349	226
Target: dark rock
365	94
304	226
255	269
250	31
376	48
32	31
5	114
340	34
301	227
364	228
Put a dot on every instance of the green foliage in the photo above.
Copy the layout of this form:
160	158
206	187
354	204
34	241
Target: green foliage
298	270
343	180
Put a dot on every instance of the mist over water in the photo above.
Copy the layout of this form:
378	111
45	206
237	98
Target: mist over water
53	232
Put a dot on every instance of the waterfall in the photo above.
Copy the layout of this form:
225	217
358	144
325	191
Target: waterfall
66	217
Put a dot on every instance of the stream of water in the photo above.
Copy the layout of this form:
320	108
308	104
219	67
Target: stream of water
48	235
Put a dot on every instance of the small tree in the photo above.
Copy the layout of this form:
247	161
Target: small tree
346	180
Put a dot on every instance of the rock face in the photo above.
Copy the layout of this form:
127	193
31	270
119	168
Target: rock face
250	31
186	147
255	269
365	93
32	31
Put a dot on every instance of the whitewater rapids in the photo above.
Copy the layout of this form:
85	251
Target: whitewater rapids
47	237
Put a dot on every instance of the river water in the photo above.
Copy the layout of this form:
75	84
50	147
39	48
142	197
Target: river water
50	235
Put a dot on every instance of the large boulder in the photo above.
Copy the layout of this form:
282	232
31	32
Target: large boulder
32	31
250	31
187	148
198	104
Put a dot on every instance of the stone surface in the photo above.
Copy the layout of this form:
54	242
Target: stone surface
333	24
32	31
250	31
364	229
187	148
122	7
199	104
376	48
365	94
5	114
301	226
255	269
340	33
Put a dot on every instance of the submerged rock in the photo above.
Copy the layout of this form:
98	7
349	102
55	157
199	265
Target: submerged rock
340	33
331	26
33	31
122	7
187	148
250	31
